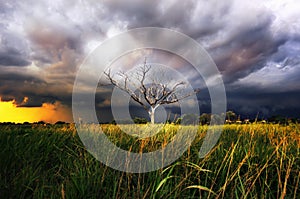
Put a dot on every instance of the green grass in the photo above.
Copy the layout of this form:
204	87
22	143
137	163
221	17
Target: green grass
249	161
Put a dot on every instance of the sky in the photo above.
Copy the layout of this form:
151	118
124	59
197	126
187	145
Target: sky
255	45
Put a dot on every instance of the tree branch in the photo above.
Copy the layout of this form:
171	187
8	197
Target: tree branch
154	94
125	88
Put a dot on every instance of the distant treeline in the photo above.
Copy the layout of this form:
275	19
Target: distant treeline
205	118
39	123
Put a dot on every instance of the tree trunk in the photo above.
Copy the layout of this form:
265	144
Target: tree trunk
152	117
152	114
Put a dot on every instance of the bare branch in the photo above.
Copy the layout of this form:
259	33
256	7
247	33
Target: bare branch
144	70
152	95
177	99
125	87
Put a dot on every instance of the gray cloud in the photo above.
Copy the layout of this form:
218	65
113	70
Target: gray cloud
254	44
249	101
18	86
13	49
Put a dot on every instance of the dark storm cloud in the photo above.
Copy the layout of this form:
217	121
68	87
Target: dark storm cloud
254	44
193	18
12	77
13	50
54	46
18	86
12	58
287	54
246	52
250	100
239	42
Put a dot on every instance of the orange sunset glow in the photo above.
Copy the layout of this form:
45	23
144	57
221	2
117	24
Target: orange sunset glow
51	113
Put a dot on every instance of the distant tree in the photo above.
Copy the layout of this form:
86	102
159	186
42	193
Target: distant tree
7	123
231	116
277	119
138	120
204	118
60	122
152	95
40	122
113	122
292	121
190	119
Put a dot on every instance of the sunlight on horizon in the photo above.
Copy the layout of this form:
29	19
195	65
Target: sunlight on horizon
50	113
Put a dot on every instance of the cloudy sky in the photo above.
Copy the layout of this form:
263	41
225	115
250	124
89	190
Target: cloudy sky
256	47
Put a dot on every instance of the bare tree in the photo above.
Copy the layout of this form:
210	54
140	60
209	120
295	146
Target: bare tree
149	95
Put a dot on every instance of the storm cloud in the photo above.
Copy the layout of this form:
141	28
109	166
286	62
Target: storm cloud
255	46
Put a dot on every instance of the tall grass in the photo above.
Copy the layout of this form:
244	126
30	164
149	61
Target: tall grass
249	161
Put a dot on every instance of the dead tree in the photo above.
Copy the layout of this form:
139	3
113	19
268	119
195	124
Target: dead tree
149	95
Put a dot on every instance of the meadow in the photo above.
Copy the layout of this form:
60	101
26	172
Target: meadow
249	161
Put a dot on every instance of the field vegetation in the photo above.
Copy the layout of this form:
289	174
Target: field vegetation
249	161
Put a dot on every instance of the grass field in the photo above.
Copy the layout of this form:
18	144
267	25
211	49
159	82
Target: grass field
249	161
